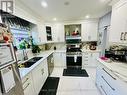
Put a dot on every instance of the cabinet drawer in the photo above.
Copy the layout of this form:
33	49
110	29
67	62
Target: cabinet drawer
26	79
28	88
27	85
108	76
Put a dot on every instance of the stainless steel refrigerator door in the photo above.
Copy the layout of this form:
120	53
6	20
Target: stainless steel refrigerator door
7	79
17	89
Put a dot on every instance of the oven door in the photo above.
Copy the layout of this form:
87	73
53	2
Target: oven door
74	60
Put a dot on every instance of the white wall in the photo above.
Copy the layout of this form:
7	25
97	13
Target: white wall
105	20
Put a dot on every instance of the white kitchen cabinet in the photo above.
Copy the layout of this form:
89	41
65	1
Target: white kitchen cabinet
0	19
89	59
89	31
118	22
108	83
42	33
59	59
40	74
58	32
28	87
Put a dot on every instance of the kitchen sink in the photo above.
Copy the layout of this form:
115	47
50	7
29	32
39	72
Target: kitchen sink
30	62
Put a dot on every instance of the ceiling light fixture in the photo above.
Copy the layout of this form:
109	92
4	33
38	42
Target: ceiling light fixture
87	16
66	3
44	4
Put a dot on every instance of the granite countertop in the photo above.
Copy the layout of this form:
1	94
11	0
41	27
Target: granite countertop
44	54
119	69
92	51
24	71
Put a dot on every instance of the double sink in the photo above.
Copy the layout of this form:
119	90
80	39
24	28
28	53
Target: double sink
30	62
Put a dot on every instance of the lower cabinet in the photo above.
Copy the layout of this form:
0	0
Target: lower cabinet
108	83
89	59
40	74
59	59
28	87
33	82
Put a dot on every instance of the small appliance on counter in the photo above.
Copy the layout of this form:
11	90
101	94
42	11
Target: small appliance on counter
92	47
117	53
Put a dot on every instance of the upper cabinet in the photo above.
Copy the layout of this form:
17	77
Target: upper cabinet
41	33
89	31
58	32
49	33
119	23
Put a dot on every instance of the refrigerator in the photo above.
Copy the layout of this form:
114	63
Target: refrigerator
10	81
104	39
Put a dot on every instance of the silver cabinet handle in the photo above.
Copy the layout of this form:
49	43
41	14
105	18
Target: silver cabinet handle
108	83
89	37
104	90
42	71
26	86
108	74
26	80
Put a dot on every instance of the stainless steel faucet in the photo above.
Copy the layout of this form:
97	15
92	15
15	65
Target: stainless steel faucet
25	57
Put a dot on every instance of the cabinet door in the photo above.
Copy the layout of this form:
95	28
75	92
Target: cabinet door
118	22
61	34
63	56
93	59
28	90
28	87
84	33
89	31
59	59
58	32
92	28
45	73
38	77
42	33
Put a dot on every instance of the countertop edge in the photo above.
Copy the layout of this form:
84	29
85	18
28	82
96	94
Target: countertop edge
111	70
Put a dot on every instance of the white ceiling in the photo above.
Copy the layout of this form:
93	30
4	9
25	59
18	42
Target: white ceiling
76	10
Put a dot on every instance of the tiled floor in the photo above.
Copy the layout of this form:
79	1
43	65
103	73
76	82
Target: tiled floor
76	85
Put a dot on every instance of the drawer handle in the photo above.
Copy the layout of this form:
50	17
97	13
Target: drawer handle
26	80
108	83
42	71
104	90
85	64
26	86
109	74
